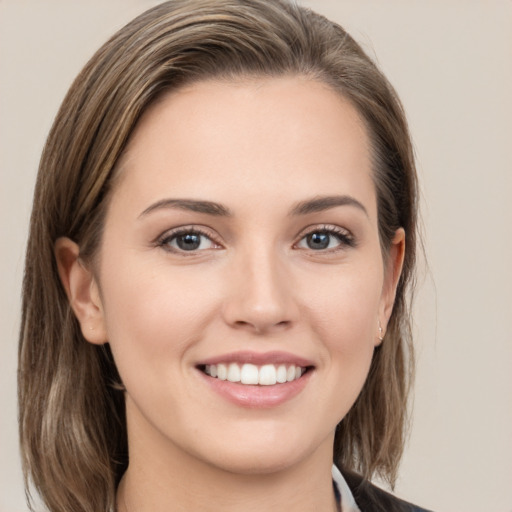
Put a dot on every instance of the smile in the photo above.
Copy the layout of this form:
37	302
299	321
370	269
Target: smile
257	380
251	374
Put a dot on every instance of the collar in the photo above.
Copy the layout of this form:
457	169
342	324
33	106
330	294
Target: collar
348	504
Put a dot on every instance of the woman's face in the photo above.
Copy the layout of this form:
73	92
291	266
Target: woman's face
241	242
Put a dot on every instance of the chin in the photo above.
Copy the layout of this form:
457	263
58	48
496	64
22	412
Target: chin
257	463
259	453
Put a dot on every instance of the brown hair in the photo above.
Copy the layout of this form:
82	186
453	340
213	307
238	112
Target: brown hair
72	423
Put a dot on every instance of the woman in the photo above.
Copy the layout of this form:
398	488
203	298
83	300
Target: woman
222	241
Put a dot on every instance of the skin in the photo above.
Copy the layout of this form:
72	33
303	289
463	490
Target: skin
260	148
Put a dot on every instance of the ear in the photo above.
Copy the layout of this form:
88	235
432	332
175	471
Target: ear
82	291
392	272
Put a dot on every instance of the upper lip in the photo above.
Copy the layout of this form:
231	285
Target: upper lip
258	359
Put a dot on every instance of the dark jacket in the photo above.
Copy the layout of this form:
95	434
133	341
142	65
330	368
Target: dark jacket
370	498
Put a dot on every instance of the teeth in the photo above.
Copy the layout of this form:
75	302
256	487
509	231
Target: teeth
234	373
281	374
249	374
266	375
222	371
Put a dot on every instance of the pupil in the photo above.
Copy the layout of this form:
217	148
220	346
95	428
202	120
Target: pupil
318	240
189	242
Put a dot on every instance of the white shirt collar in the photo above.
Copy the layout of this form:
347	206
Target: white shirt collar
348	504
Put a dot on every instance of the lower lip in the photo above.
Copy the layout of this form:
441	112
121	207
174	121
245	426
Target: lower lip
252	396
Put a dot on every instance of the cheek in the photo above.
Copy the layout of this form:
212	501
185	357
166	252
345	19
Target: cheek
346	326
152	316
347	308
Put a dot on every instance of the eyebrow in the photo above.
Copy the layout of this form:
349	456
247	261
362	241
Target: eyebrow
319	204
193	205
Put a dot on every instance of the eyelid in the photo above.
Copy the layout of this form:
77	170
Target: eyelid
162	240
344	235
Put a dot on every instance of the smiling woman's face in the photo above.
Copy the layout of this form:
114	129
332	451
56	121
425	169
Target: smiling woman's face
241	242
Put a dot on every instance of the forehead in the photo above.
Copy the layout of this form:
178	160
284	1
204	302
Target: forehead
264	136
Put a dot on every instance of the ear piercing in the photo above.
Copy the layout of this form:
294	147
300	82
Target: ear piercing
381	332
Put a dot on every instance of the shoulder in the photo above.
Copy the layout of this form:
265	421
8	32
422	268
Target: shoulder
370	498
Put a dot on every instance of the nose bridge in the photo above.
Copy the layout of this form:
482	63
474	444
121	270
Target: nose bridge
260	296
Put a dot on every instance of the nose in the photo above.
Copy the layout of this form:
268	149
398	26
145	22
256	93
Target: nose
260	298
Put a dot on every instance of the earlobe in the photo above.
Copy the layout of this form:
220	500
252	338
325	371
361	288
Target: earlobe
82	291
393	270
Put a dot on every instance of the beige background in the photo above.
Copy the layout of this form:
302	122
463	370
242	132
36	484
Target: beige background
451	62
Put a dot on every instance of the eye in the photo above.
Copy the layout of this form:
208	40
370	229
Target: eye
187	240
326	239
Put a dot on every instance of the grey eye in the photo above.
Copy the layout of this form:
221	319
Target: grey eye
318	240
188	241
324	239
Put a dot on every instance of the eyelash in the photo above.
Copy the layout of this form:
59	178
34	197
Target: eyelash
165	240
344	237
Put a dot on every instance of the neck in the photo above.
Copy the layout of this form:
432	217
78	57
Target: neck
164	479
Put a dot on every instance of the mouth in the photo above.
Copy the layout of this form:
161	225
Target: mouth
250	374
257	380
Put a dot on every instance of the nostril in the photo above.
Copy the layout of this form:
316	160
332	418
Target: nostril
241	323
261	326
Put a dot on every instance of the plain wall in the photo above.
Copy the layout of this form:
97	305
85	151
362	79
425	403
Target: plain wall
451	62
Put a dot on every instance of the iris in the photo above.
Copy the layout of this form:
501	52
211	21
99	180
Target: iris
318	240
